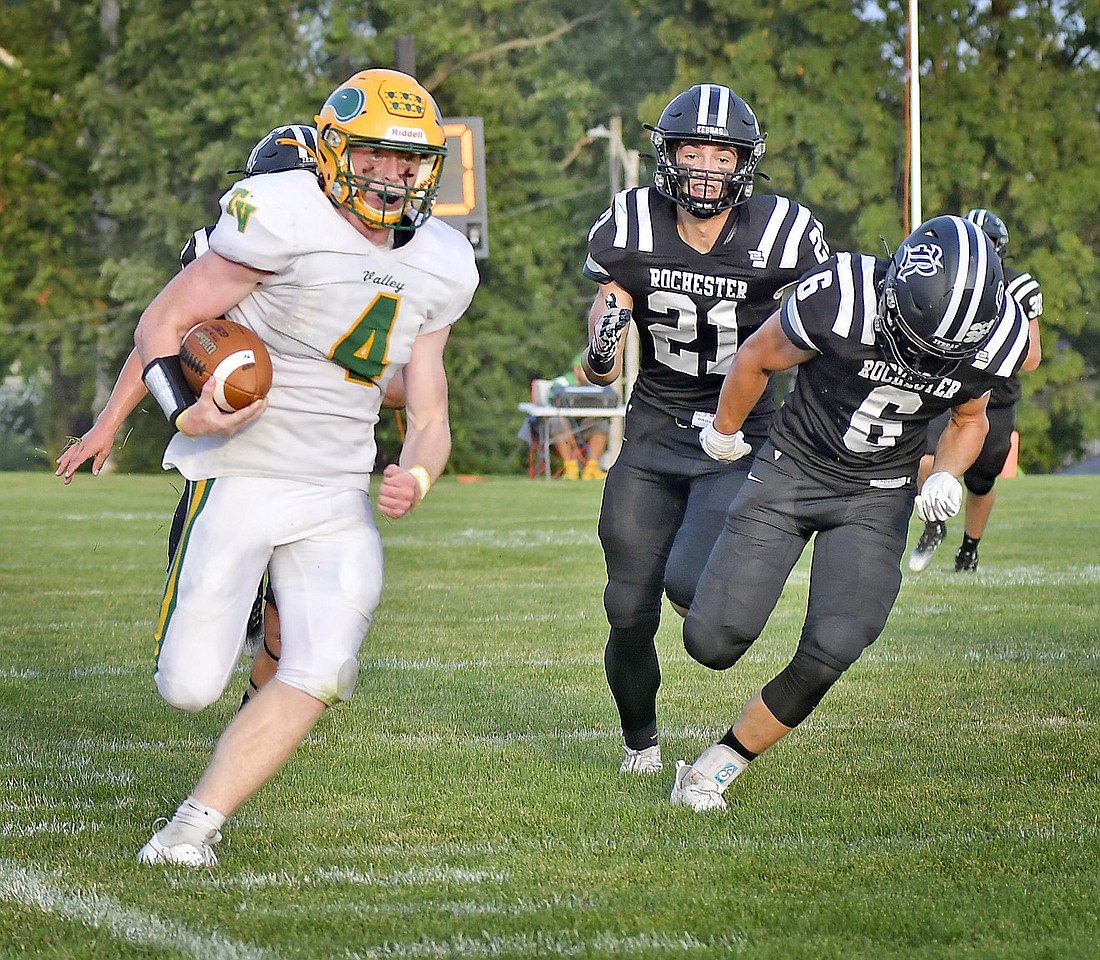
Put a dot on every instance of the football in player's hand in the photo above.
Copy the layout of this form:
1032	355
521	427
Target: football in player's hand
233	355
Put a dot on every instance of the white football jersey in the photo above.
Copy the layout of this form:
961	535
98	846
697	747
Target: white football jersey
339	316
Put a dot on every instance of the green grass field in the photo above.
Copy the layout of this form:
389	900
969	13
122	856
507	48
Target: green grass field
943	802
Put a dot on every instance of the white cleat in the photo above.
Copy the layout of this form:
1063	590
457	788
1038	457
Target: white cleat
187	854
692	789
930	538
642	761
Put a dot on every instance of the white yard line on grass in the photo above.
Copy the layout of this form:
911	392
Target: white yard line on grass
554	945
32	889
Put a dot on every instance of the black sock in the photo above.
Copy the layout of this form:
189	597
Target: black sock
970	544
643	738
733	743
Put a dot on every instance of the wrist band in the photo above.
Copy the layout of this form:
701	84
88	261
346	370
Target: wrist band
165	382
176	424
423	481
600	365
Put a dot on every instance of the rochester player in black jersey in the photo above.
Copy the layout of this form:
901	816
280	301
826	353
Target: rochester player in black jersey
883	346
1001	413
697	262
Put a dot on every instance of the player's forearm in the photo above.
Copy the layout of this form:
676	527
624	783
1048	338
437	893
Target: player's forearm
128	392
959	445
155	335
603	379
427	446
1034	347
741	390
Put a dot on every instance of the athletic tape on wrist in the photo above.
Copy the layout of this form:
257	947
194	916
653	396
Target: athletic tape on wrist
423	480
165	382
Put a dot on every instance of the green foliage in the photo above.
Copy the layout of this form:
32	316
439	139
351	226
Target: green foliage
940	803
1035	165
120	133
1009	122
52	304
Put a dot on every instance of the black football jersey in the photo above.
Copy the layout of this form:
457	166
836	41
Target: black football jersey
1025	288
197	245
853	414
693	309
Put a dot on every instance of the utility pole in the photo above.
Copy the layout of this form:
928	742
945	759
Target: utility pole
623	171
404	54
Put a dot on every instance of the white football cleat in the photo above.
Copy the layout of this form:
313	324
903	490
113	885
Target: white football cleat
692	789
187	854
931	537
642	761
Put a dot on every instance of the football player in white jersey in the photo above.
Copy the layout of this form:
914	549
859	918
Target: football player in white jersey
882	347
286	147
346	287
695	261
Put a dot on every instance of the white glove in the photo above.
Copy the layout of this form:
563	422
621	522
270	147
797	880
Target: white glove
724	447
940	498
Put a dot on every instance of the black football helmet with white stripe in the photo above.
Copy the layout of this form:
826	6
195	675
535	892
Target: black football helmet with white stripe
291	146
993	227
943	293
707	113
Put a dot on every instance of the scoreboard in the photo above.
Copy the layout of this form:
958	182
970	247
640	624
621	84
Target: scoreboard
461	197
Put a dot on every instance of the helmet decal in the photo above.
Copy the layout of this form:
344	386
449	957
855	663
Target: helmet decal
925	259
347	103
714	108
403	103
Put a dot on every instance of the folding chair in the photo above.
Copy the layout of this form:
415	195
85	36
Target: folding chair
551	419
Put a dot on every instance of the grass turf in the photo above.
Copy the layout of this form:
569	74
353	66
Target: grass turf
941	803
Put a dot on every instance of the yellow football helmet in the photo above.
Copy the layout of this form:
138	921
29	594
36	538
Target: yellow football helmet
386	110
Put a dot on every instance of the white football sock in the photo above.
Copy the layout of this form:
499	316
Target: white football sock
721	764
193	823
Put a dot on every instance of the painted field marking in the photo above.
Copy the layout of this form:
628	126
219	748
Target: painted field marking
32	889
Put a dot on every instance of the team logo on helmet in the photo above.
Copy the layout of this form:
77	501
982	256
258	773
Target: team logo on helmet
923	259
979	331
404	103
347	103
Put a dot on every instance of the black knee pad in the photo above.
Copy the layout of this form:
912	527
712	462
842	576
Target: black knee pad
713	647
979	484
793	694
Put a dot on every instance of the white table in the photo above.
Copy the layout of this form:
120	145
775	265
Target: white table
552	414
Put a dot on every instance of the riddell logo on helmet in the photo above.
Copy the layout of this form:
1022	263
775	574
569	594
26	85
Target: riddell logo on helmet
923	259
406	133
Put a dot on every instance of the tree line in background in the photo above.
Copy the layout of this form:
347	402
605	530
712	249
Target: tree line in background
121	118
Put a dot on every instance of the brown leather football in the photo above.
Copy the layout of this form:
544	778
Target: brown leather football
233	355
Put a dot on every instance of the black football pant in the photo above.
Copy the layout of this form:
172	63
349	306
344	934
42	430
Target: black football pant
664	504
859	537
